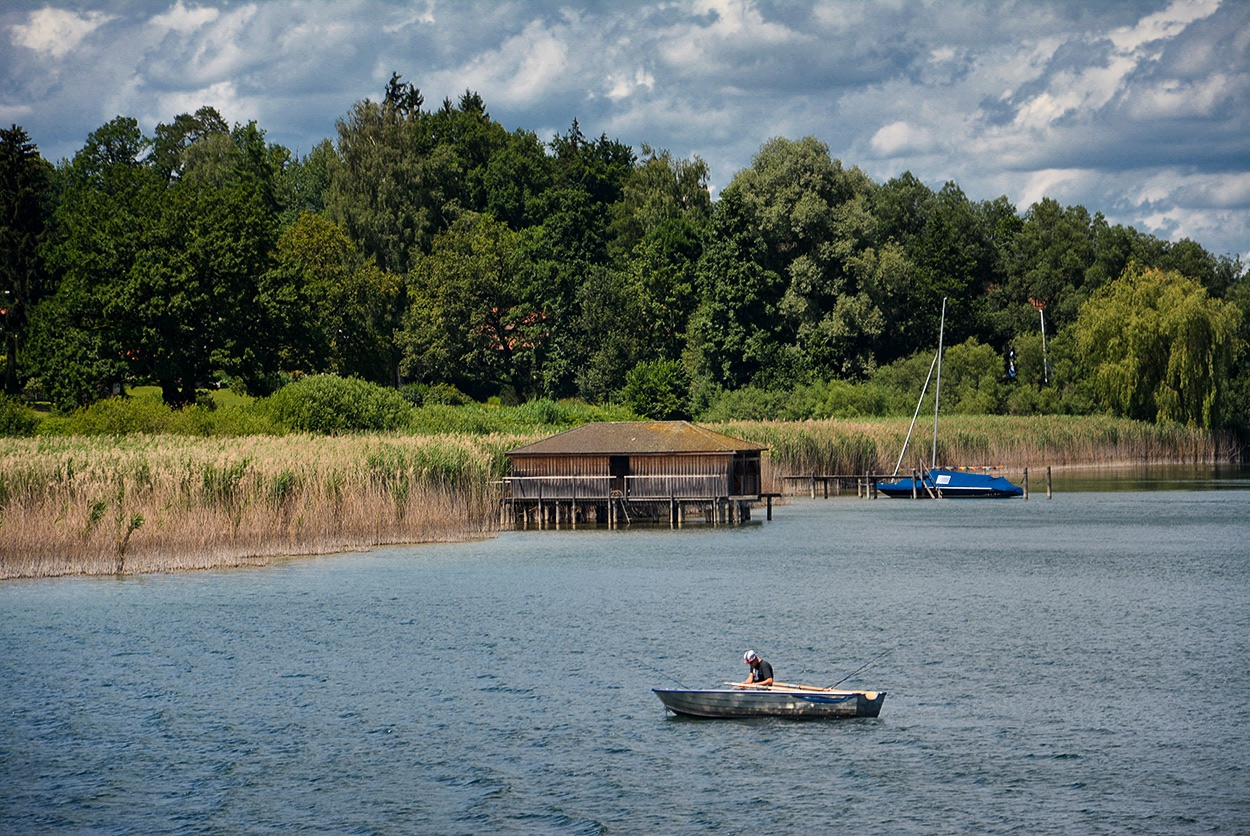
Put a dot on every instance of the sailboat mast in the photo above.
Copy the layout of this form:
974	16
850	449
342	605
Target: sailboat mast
937	391
1045	359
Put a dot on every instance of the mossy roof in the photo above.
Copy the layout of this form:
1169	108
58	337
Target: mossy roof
631	438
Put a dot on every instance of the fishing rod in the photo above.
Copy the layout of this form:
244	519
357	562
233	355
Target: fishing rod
656	670
876	658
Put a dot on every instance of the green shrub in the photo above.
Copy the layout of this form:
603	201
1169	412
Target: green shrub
329	405
147	413
434	394
118	415
16	419
659	390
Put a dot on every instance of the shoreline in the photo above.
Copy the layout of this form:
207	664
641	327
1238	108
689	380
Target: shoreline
156	559
142	503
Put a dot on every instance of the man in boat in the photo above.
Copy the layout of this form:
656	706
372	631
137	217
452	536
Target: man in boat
761	672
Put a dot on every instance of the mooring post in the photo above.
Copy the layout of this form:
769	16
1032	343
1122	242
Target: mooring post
1026	483
1048	492
915	477
770	506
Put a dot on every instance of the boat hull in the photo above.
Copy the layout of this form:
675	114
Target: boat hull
952	484
732	703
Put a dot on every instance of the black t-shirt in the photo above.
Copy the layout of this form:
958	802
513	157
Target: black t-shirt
761	671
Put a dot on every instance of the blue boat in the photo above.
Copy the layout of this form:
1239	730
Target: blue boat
943	482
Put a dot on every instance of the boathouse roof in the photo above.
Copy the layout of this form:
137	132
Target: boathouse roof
631	438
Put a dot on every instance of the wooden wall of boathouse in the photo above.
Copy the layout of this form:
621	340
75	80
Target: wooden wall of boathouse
633	470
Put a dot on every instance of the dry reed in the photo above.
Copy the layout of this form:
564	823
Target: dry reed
153	503
1008	443
142	503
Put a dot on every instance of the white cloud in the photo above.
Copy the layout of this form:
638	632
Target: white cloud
182	20
223	96
1132	108
423	16
899	138
1165	24
56	32
1047	183
621	87
1175	99
14	114
719	37
521	71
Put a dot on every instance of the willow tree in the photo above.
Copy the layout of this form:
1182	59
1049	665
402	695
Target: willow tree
1157	347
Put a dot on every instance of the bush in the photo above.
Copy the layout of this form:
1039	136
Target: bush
434	394
126	415
746	404
15	419
328	404
659	390
118	415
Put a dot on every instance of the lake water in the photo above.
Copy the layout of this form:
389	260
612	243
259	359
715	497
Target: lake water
1073	665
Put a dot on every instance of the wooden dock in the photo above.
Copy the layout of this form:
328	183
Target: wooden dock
865	484
553	501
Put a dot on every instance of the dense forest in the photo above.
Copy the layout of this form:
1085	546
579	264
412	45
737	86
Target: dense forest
432	250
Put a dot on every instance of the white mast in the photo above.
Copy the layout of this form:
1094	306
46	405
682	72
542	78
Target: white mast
937	391
1045	360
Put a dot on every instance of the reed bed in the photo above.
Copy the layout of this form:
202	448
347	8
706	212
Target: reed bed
994	442
143	503
102	505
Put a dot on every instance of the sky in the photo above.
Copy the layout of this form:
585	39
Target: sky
1139	109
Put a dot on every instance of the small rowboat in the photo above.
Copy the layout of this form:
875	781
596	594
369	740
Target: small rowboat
780	700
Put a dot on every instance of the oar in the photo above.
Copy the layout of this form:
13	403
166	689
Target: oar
860	668
779	685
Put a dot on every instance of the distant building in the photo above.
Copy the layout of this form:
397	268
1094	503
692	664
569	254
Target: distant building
609	473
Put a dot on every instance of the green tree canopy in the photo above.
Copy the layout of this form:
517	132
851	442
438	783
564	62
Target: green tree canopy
161	278
470	322
25	214
1156	346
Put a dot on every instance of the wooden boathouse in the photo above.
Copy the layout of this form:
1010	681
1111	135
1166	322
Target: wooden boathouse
633	471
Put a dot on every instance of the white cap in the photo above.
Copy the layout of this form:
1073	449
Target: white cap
749	656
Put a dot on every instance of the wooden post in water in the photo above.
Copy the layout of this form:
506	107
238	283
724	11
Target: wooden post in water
915	477
1048	491
1026	483
770	506
813	488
